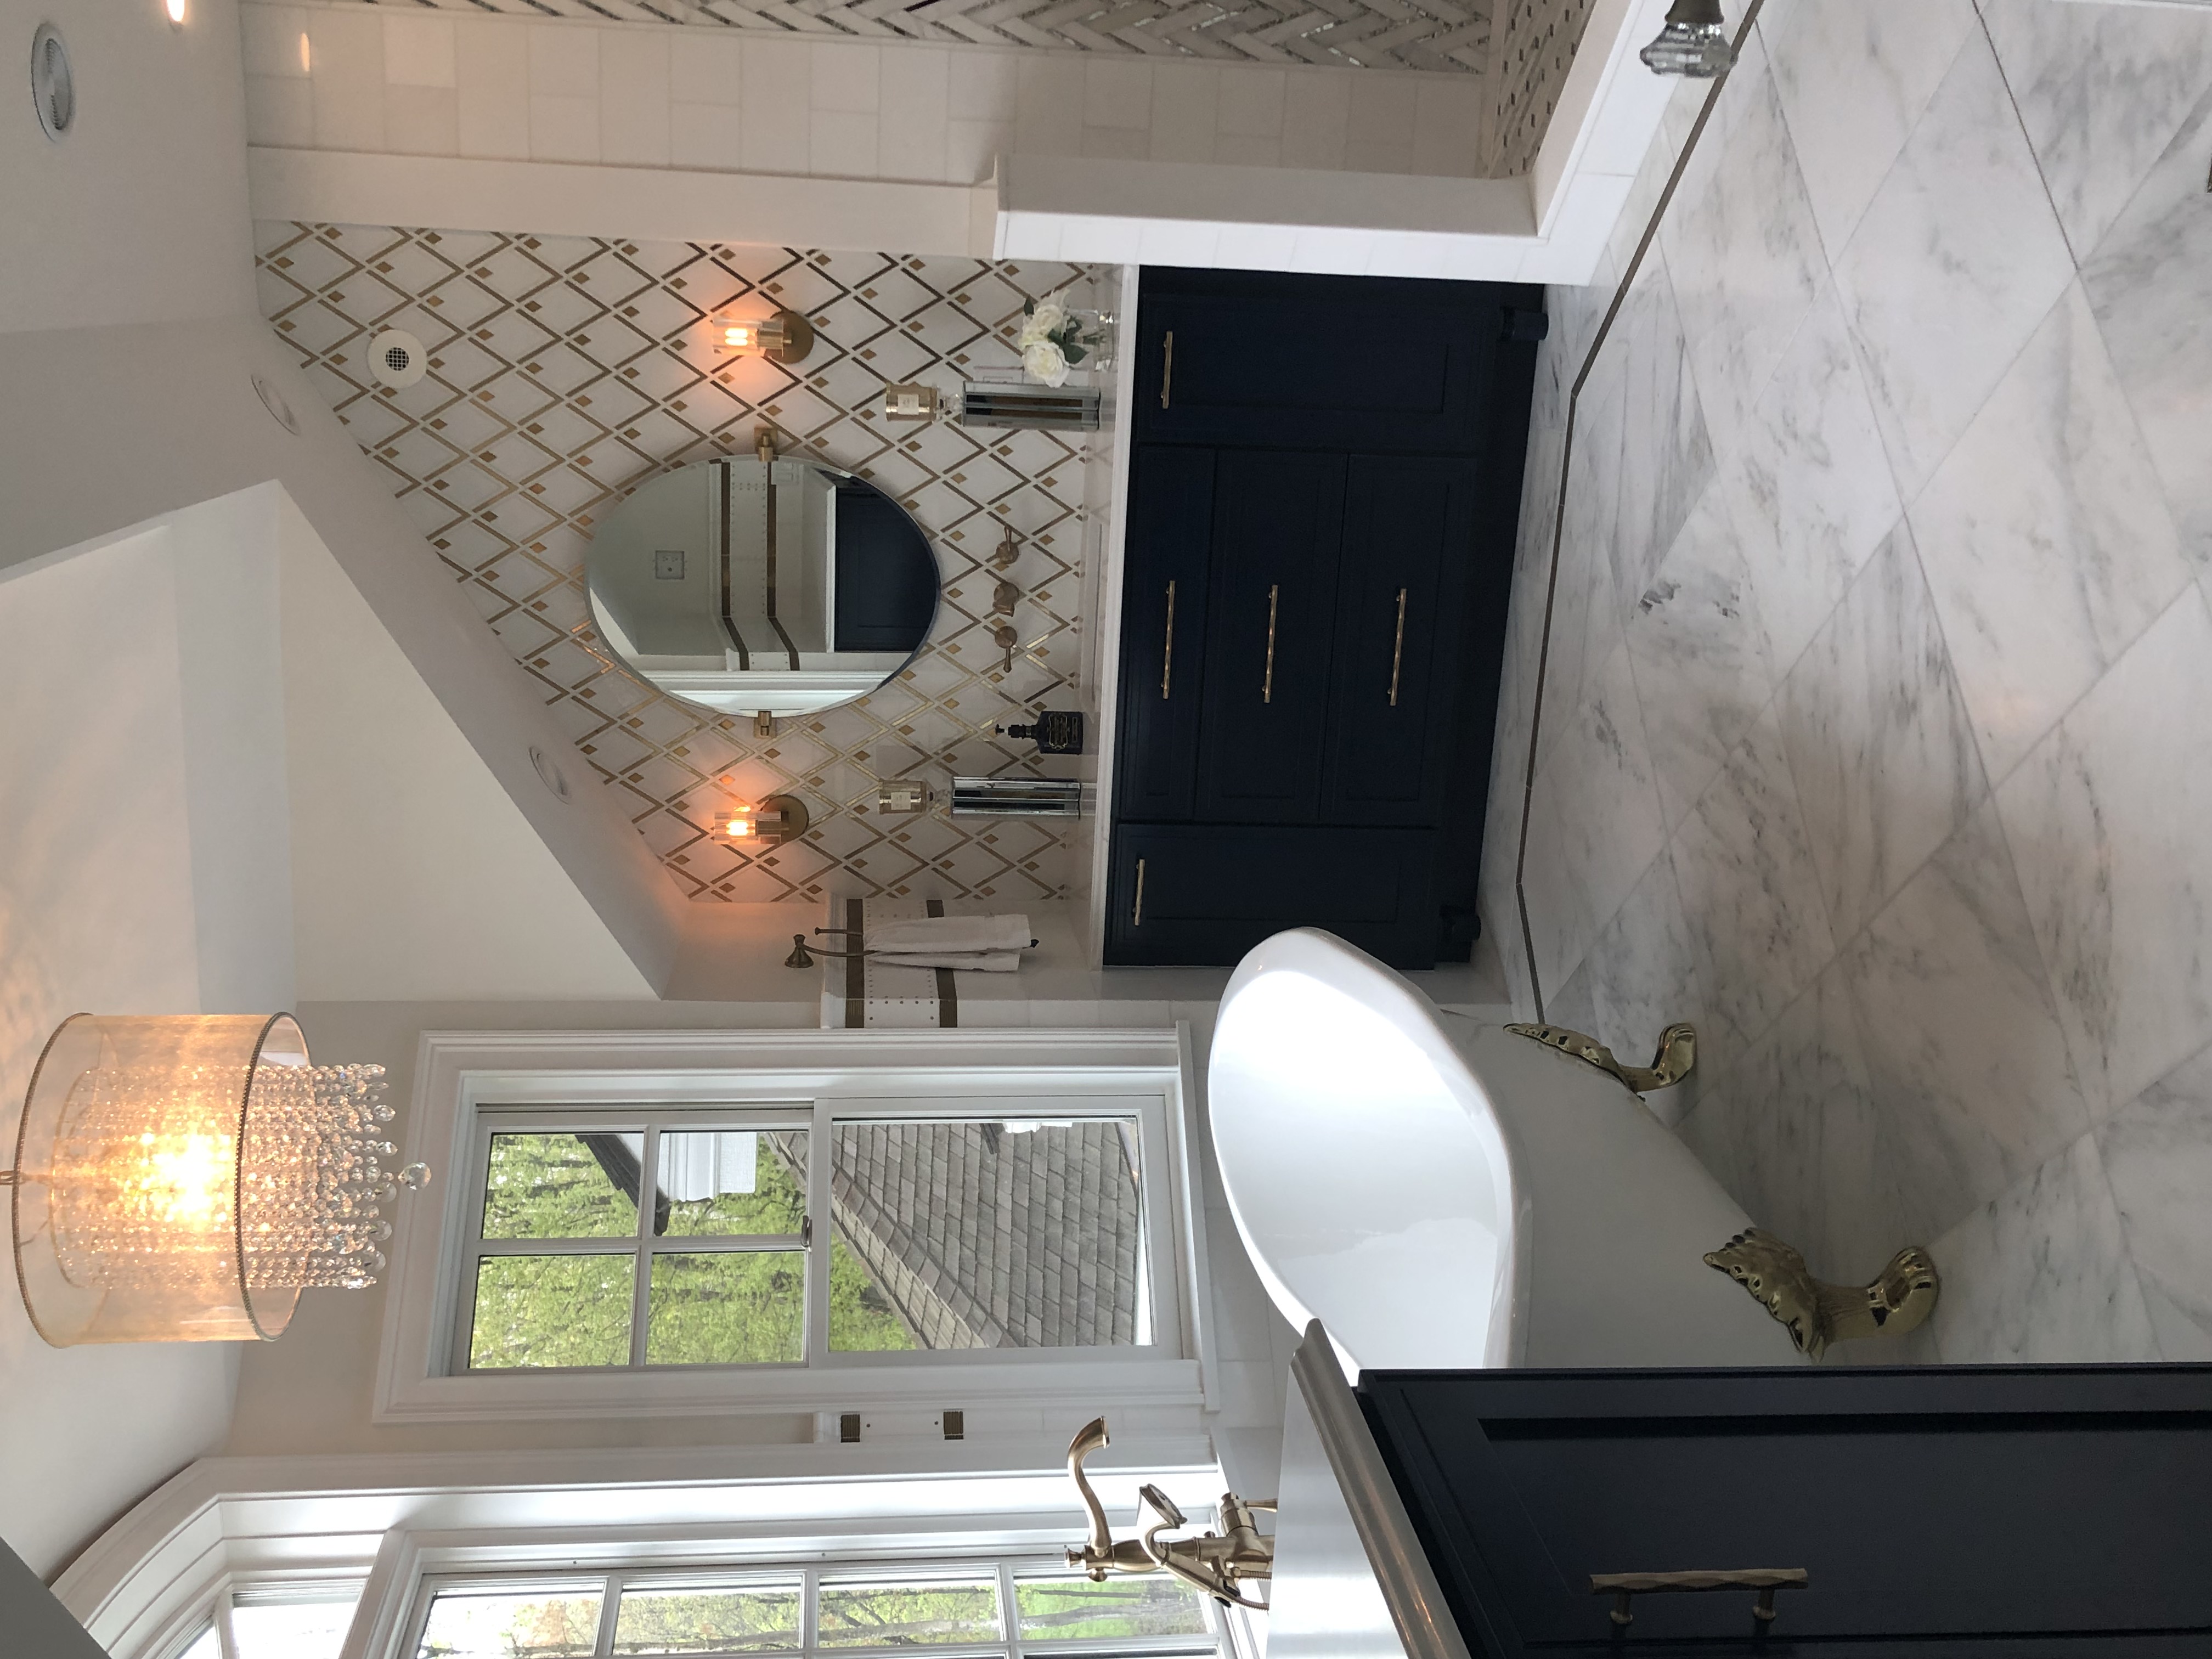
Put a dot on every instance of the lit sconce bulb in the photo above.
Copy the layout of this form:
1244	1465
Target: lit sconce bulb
739	827
785	337
176	9
742	336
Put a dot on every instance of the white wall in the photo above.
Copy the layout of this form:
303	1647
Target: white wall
414	874
139	874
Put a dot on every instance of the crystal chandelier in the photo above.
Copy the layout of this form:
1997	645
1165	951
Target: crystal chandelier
1695	42
183	1178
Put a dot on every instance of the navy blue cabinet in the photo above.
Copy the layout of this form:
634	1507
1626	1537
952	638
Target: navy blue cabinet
1315	567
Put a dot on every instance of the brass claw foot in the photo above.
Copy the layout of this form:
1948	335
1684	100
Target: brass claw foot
1816	1313
1677	1055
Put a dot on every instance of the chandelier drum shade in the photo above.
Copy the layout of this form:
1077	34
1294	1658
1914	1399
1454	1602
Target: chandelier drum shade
183	1178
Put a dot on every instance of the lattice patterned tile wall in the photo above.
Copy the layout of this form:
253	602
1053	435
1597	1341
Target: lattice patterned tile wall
1536	42
564	371
1450	35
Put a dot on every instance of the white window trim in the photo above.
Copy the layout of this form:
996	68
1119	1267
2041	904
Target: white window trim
458	1072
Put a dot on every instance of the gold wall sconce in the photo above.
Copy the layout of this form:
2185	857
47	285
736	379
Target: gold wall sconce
912	402
903	797
182	1178
772	821
786	337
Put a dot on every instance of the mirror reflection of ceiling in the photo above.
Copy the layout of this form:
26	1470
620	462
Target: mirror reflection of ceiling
750	587
564	371
1445	35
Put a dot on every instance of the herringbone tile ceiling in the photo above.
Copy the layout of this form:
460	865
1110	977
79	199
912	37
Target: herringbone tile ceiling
564	371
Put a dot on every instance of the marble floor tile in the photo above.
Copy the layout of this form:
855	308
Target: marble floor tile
1878	738
1744	254
2106	818
1791	1132
1812	496
2041	1275
2101	90
2157	1154
1957	258
1641	976
2045	538
1667	456
1855	78
1750	890
2149	282
1698	651
1969	1065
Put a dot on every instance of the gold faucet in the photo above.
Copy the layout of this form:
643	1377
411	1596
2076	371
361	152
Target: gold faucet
1214	1562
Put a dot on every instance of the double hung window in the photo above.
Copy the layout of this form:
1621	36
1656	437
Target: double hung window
1007	1609
299	1620
814	1233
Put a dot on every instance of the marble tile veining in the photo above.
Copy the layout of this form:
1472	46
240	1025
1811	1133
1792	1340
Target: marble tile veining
2107	818
1957	259
1749	886
1812	496
2149	282
1971	1073
2041	1275
2157	1154
1878	738
1855	79
1641	976
2101	91
1667	455
2046	536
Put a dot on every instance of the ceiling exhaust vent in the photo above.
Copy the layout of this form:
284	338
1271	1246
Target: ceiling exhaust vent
53	86
396	358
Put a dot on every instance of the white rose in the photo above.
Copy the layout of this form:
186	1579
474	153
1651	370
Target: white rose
1043	361
1048	317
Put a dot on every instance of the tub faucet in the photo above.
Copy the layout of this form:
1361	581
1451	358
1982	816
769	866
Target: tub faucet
1214	1562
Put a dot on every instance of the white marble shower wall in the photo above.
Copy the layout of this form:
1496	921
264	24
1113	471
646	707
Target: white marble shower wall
1877	722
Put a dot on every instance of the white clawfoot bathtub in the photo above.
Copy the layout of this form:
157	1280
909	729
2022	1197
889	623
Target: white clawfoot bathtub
1443	1194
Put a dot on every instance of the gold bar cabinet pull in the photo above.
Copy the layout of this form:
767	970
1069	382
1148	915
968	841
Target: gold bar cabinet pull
1267	677
1137	910
1167	367
1398	648
1167	653
1625	1587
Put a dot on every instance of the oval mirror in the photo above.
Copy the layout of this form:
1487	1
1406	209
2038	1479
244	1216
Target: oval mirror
752	587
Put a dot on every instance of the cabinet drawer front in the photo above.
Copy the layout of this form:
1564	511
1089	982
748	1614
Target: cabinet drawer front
1211	893
1164	619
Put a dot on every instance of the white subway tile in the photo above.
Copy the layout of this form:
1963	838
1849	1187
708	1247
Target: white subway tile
1116	144
972	148
985	85
564	129
1382	110
1447	127
1316	110
421	121
1186	111
706	135
564	61
1251	101
706	66
280	111
1048	119
1360	156
491	74
1238	151
842	144
633	97
845	77
418	49
777	117
915	111
269	36
349	79
1117	92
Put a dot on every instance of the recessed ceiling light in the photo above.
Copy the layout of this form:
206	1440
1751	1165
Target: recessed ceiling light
52	85
176	10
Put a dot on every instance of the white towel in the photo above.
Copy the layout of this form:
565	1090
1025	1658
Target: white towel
950	935
979	962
